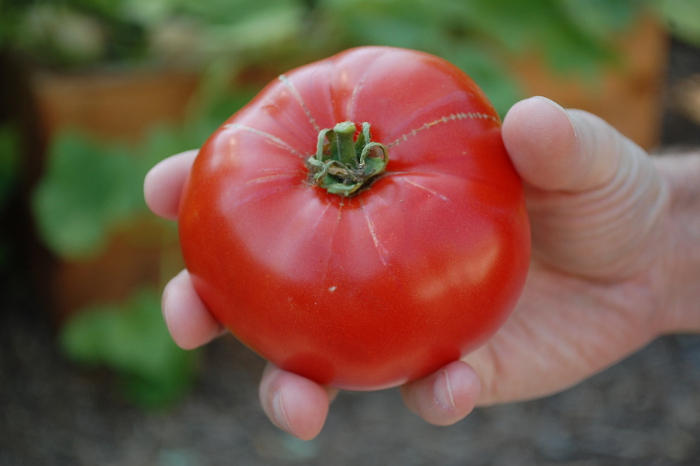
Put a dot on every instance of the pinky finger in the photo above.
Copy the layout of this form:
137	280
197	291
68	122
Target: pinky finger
189	321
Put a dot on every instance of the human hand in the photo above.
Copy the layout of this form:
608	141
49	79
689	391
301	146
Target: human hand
293	403
595	201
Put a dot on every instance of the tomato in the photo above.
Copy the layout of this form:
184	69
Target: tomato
359	222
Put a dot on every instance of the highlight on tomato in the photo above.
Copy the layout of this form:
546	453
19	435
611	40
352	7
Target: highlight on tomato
359	222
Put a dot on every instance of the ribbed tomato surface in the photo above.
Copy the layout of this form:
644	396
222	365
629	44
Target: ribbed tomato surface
369	291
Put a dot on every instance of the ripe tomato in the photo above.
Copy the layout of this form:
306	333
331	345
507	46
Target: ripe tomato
359	264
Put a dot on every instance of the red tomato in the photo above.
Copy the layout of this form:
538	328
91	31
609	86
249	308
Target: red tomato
375	285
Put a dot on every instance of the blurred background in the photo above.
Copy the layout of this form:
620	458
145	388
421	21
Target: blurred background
95	92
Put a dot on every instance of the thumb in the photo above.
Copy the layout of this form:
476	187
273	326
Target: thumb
593	196
564	150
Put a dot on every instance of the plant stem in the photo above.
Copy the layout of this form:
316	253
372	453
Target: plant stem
344	164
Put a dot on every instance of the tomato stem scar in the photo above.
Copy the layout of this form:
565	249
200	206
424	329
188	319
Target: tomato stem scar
344	163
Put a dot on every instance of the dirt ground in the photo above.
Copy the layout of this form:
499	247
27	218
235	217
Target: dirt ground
643	411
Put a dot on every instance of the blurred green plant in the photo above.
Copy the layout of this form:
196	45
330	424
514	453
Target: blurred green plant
92	189
682	18
478	35
89	189
132	339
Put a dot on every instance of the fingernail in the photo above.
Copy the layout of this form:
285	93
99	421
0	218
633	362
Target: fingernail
443	392
279	413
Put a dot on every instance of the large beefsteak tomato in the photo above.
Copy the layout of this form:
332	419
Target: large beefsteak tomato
359	222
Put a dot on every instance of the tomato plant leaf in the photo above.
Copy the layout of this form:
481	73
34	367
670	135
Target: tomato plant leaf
88	188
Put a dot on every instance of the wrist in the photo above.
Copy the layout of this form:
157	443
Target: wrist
680	260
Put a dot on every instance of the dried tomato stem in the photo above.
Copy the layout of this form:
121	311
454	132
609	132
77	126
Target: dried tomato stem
343	163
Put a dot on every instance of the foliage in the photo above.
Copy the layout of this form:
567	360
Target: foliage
70	32
83	196
573	35
683	18
91	189
132	338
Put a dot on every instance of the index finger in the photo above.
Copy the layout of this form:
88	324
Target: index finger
163	184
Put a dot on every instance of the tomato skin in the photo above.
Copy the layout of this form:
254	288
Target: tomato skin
377	289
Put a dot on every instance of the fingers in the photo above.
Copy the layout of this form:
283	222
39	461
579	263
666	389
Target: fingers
293	403
446	396
164	182
188	320
556	149
300	407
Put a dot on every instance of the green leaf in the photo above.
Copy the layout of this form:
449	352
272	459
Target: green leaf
256	32
602	18
683	18
88	189
132	339
93	187
230	11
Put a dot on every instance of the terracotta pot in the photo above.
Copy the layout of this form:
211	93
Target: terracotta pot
123	267
123	107
113	105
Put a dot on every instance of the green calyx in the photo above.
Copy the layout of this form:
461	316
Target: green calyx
342	164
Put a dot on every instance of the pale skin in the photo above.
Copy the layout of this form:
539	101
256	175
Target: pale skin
615	264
